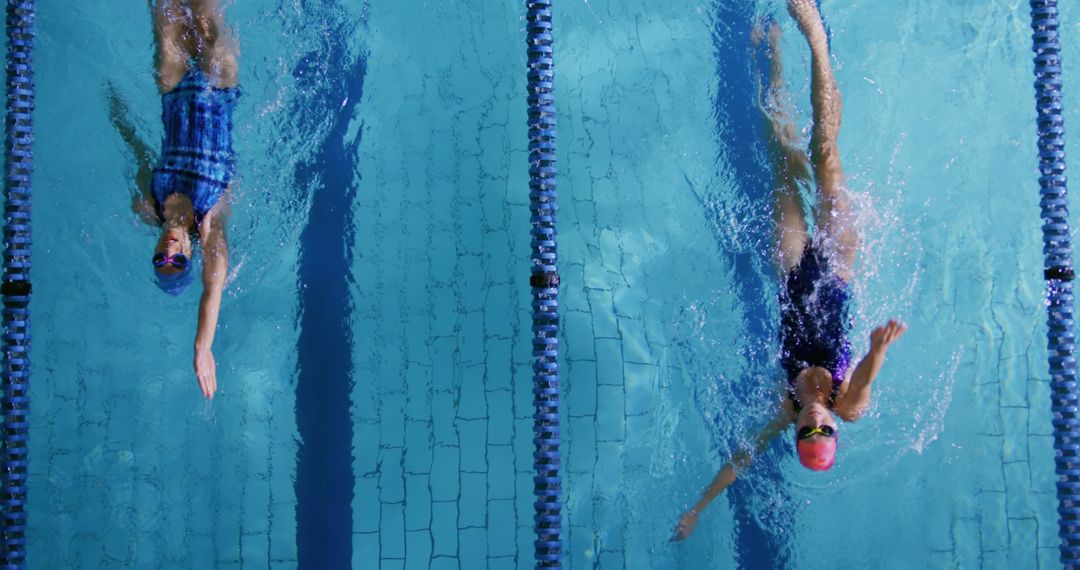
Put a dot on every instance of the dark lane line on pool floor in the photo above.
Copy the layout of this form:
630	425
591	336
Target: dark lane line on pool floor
738	118
325	481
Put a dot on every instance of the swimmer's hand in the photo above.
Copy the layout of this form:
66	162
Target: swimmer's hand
686	526
882	337
206	371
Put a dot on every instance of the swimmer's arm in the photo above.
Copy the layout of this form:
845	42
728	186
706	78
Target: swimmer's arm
741	459
727	474
215	269
142	203
853	403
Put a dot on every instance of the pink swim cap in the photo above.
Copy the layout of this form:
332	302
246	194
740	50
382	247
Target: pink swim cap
817	455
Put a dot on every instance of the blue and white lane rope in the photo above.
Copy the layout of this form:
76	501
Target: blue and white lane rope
544	280
15	287
1058	273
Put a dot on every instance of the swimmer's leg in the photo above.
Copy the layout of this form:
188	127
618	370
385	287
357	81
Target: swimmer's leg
172	43
789	162
215	49
791	232
833	212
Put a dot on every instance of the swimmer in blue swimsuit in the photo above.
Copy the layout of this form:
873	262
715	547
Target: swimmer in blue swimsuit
815	352
196	70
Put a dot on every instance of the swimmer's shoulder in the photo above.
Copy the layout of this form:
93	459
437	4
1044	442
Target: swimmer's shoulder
846	383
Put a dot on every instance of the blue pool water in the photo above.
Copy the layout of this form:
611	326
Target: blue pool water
373	350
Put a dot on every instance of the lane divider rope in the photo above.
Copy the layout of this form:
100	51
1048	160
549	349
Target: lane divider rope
15	286
1058	272
544	282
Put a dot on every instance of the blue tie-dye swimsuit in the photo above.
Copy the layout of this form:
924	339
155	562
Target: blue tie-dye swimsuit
197	158
814	321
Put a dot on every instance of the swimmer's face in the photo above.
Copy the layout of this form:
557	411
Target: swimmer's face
815	427
815	415
815	437
172	241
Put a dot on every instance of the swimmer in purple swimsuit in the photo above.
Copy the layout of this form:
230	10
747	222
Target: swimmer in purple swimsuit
196	70
815	271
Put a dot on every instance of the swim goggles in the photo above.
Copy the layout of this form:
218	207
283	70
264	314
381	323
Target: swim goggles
807	431
177	260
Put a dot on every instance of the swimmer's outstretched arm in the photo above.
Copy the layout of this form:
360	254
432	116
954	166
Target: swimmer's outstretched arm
142	203
215	269
852	404
727	474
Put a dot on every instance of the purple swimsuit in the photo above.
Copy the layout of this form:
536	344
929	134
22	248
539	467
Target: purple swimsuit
814	321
